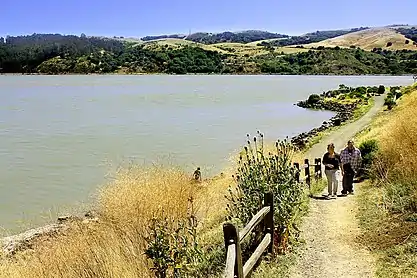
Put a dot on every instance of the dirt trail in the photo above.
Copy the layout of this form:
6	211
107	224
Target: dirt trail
330	228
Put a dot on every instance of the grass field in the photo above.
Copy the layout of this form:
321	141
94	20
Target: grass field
238	49
178	43
369	39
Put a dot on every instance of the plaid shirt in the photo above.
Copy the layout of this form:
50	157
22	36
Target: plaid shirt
354	158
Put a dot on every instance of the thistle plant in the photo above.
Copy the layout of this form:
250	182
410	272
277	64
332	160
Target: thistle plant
173	246
259	173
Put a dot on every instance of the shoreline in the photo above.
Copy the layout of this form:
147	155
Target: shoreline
345	114
12	244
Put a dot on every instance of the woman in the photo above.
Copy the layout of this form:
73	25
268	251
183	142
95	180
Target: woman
331	161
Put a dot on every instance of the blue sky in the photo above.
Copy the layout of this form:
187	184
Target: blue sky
138	18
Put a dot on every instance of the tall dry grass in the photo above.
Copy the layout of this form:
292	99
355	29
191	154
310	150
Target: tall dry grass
114	246
397	162
387	206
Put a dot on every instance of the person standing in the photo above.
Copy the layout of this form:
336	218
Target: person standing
197	175
351	161
331	161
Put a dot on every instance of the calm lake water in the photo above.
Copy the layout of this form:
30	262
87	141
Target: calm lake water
61	135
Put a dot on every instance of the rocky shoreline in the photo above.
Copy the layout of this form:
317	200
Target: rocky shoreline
12	244
344	113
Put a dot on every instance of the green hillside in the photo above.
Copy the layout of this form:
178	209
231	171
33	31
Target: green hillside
59	54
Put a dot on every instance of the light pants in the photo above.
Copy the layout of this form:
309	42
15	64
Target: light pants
332	181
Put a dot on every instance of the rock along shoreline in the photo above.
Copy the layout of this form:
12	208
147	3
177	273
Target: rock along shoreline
10	245
344	113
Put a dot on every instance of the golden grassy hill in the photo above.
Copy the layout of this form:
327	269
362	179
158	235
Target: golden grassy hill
177	43
369	39
239	49
253	50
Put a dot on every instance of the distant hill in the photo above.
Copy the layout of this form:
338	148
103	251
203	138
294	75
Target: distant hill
311	37
382	37
224	37
233	37
395	37
150	38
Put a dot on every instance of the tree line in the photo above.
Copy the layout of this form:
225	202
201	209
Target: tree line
409	33
317	36
234	37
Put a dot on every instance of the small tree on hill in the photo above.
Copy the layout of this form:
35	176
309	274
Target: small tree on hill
389	44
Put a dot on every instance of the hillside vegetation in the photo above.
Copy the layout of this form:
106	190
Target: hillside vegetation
388	204
409	33
340	61
151	38
57	54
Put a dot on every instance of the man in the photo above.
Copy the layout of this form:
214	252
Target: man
351	162
197	175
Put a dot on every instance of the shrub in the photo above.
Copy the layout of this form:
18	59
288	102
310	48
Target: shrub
259	173
393	89
313	99
381	89
389	44
369	150
389	102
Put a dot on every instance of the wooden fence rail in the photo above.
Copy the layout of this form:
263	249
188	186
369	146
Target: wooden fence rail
265	217
233	239
307	173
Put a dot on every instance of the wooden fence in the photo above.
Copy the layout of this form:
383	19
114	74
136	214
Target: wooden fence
307	172
233	238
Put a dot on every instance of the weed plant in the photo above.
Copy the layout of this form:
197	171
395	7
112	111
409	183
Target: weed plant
259	173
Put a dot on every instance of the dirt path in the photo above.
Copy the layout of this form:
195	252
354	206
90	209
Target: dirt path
330	228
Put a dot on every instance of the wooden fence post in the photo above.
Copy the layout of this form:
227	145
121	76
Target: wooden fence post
297	175
307	173
269	220
317	169
320	168
231	236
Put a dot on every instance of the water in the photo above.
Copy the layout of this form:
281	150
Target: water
60	135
